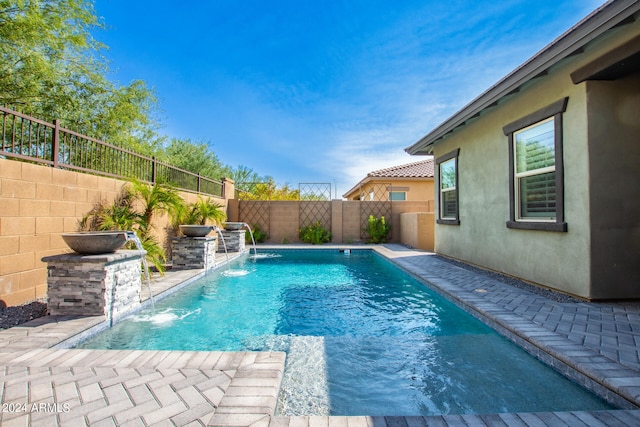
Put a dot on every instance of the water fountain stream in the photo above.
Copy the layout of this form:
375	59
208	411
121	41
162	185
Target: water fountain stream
226	253
133	237
255	251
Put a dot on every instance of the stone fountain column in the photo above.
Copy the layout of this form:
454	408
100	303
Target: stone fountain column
94	285
193	252
234	239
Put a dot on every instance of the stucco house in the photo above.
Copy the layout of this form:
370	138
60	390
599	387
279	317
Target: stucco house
409	182
539	176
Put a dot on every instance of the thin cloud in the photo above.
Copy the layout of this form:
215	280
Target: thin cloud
324	91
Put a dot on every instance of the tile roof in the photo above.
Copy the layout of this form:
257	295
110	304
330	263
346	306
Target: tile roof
421	169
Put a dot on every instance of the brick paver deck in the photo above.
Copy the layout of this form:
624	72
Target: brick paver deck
597	344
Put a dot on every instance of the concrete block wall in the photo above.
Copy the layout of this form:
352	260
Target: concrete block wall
284	221
351	224
39	203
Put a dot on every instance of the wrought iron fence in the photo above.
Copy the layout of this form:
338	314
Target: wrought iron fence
30	139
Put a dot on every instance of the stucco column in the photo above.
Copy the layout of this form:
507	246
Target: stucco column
228	188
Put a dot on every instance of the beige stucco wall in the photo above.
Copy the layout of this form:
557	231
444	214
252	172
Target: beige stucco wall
399	208
416	230
417	189
554	259
37	205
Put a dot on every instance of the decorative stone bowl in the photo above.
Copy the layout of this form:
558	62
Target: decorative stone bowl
95	242
233	226
195	230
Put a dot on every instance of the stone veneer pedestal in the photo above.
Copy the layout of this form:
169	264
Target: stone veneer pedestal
193	252
234	240
94	285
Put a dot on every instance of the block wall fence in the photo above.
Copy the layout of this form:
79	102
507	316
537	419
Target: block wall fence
38	204
284	221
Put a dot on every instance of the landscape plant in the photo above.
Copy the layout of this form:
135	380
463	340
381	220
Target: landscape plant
200	212
259	235
133	210
377	229
315	234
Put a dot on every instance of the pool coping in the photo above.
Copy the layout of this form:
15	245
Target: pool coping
251	401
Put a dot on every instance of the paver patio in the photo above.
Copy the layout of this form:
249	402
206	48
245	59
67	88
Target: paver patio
597	344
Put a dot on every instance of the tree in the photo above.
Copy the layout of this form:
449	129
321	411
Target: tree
50	67
244	177
268	190
195	157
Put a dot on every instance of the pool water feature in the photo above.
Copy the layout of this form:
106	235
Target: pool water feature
361	336
133	237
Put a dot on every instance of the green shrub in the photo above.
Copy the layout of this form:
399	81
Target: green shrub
258	235
315	234
199	212
377	229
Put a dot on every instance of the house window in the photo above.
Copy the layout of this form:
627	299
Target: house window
536	187
448	188
397	195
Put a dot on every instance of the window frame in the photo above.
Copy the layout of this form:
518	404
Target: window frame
551	112
404	193
453	155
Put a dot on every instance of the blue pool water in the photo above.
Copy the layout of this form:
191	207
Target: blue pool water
361	336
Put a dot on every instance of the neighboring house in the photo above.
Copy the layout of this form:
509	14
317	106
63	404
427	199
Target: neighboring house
539	176
410	182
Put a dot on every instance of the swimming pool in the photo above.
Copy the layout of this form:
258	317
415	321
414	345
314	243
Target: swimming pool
361	336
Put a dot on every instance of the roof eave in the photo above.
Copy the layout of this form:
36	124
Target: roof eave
569	43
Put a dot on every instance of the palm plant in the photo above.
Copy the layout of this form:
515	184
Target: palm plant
123	215
157	198
199	212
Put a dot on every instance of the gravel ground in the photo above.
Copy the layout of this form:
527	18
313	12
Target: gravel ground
14	316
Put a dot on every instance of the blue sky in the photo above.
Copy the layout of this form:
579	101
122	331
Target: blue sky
321	91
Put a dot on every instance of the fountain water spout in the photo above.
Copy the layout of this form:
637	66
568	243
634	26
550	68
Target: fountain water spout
255	251
223	243
133	237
